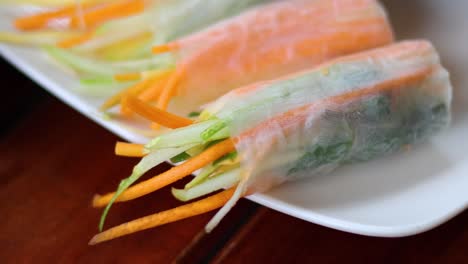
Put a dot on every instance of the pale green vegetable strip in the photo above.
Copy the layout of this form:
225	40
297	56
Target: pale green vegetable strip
36	38
204	173
115	31
186	135
100	88
94	67
195	150
222	181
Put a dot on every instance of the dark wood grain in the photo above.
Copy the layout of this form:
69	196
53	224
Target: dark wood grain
272	237
204	247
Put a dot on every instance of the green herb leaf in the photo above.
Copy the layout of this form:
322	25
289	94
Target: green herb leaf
322	155
181	157
193	114
230	156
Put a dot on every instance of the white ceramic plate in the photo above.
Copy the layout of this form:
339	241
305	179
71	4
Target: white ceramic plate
402	195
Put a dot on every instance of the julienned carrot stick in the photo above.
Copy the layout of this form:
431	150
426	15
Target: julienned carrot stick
155	88
155	114
145	85
169	88
125	77
113	10
134	89
164	48
185	211
91	14
129	149
73	41
170	176
40	20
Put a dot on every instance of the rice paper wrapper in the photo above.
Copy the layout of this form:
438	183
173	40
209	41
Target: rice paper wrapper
353	109
272	40
161	22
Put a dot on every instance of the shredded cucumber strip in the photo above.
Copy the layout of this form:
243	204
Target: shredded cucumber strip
101	68
35	38
148	162
222	181
100	89
213	129
204	173
187	135
115	31
196	150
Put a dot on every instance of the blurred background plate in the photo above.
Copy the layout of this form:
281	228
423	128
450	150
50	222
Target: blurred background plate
400	195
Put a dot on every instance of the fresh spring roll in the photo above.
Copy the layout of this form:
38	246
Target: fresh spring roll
350	109
161	22
115	31
266	42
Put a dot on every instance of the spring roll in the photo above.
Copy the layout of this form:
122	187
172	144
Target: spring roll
351	109
263	43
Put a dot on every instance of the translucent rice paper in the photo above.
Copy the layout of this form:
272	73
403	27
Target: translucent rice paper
313	132
352	109
187	16
160	22
272	40
164	21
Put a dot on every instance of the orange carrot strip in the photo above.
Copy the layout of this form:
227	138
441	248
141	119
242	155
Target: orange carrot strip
125	77
170	88
107	12
74	41
154	91
139	88
134	89
164	48
155	114
167	92
174	174
155	126
40	20
185	211
129	149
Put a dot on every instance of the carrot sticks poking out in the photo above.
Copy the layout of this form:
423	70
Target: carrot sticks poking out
76	40
170	176
41	20
93	17
129	149
185	211
155	114
125	77
81	16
